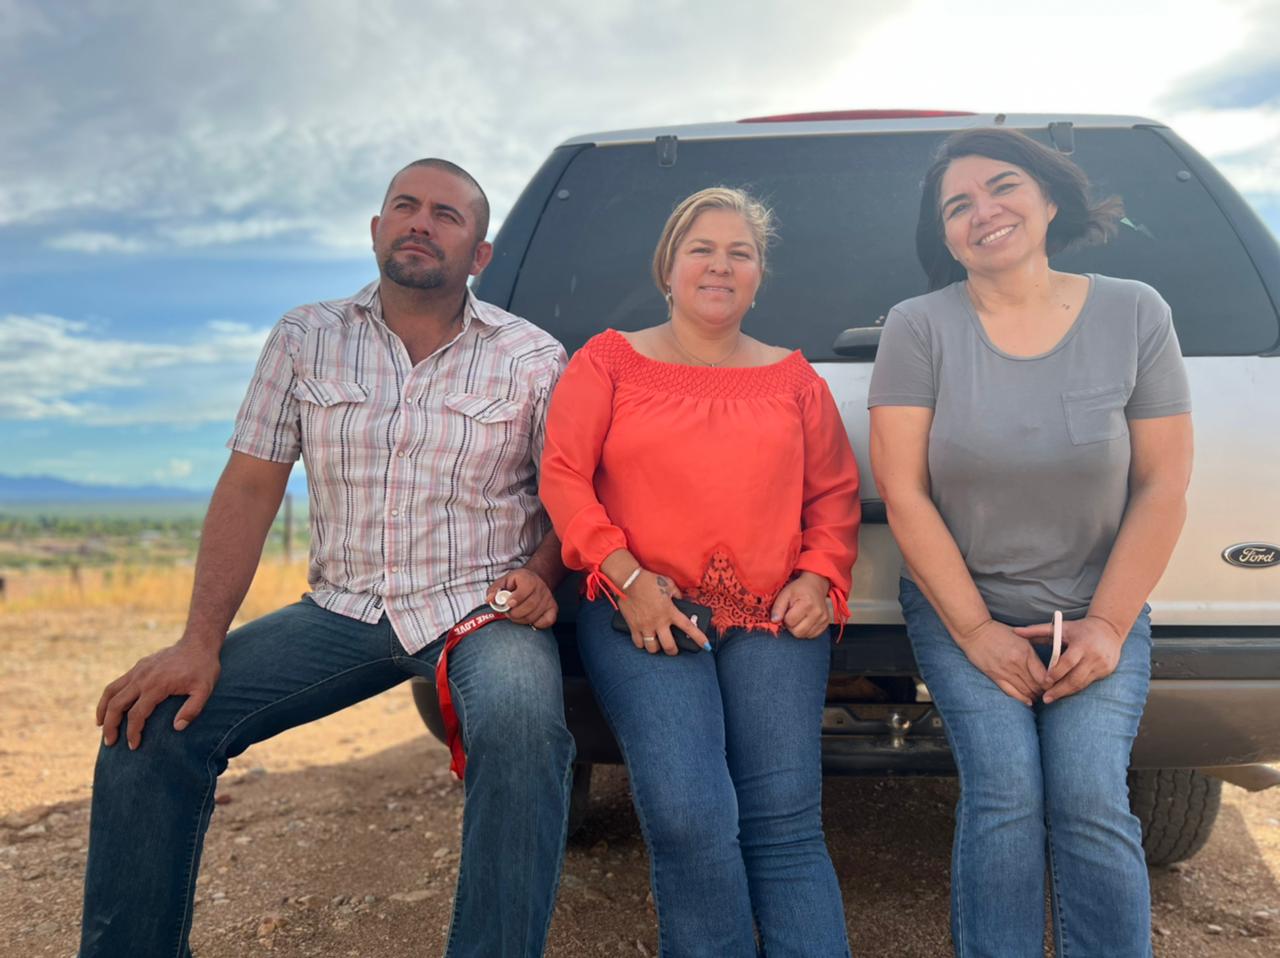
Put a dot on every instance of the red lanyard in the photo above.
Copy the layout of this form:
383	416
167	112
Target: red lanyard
453	734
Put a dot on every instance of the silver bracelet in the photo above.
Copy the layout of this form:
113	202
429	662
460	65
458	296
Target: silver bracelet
632	578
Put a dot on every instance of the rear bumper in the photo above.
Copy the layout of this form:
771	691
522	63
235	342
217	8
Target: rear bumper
1193	723
1186	724
1214	701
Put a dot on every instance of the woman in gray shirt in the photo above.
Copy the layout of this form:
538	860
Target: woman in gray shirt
1031	437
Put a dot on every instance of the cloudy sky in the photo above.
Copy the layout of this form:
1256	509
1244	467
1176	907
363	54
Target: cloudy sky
175	176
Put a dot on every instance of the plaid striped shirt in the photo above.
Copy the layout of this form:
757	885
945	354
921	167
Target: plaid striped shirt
423	479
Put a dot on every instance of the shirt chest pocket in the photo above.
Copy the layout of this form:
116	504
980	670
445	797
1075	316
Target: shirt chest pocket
485	410
1095	414
335	415
483	441
329	392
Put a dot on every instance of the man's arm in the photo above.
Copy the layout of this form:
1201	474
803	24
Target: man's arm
243	506
545	562
531	601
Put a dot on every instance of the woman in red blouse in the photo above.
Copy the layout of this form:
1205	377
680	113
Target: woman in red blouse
691	460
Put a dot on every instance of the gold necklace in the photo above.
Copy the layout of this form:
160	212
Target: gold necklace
703	362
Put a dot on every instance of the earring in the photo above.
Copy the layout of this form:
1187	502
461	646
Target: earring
753	304
668	295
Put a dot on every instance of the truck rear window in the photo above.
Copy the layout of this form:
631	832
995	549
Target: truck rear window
846	210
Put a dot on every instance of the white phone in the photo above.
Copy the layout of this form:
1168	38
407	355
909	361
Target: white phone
1057	638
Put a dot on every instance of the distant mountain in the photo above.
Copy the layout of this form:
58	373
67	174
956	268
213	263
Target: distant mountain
16	489
50	489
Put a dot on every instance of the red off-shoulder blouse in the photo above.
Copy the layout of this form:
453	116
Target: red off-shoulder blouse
729	481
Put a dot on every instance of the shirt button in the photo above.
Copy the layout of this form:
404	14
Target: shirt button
395	512
395	568
399	455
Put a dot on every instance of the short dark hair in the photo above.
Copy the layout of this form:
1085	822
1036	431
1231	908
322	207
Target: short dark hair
481	205
1079	222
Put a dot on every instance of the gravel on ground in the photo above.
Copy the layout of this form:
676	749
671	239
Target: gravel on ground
341	838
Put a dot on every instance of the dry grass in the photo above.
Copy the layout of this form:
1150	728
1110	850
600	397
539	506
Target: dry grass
155	590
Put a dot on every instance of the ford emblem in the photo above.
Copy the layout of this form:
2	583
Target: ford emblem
1252	555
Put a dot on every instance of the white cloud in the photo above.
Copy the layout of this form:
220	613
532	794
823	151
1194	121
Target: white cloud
55	368
92	241
1084	57
166	236
190	126
1232	132
1243	143
252	120
1229	109
232	341
1182	65
175	469
219	232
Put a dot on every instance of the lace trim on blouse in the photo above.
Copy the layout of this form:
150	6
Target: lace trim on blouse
732	604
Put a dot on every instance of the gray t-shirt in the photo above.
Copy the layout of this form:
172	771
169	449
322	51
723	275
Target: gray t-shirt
1029	456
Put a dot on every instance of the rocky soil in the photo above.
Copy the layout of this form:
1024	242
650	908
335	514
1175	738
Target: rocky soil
340	839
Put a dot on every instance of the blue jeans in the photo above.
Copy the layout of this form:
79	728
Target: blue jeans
151	807
724	754
1047	781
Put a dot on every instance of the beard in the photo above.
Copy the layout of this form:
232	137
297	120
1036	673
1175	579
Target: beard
415	274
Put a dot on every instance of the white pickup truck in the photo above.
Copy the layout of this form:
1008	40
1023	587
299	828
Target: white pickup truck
573	257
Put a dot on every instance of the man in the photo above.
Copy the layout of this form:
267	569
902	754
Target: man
419	412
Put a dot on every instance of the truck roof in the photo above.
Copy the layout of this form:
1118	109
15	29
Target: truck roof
768	128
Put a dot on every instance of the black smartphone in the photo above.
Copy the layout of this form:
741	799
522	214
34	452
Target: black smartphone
699	615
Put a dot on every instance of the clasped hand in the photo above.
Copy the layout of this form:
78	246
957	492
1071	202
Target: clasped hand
1091	651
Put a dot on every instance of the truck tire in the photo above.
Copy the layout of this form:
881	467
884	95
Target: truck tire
1177	808
579	797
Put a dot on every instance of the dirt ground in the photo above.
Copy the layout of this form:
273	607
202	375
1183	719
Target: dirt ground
340	838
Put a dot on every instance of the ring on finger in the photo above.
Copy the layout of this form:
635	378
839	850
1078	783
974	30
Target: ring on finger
649	639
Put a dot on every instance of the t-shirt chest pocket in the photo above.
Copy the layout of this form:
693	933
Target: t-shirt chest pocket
1095	413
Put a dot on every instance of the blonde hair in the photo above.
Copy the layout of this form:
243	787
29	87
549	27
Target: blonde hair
756	215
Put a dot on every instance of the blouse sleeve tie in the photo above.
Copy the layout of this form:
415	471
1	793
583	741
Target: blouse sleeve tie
840	608
598	584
